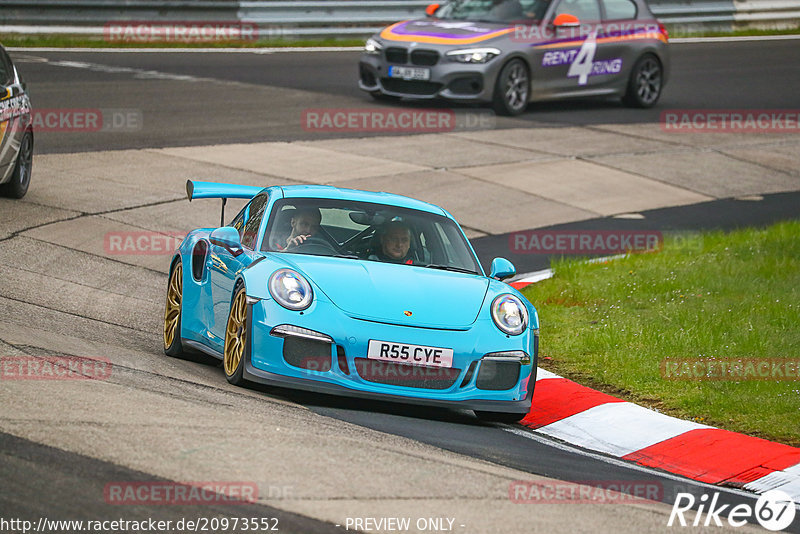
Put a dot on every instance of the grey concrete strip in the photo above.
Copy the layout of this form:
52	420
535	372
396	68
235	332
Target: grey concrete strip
433	150
779	157
103	237
18	215
697	140
567	141
293	161
708	173
586	186
480	206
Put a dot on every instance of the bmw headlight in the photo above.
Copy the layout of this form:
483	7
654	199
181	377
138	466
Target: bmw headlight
372	47
290	289
473	55
509	314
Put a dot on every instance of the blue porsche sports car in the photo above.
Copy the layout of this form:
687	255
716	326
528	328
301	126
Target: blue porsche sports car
352	293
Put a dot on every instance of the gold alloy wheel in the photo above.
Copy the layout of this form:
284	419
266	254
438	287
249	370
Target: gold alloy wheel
172	313
235	333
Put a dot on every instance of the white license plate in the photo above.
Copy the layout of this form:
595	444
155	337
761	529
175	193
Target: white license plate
410	73
411	354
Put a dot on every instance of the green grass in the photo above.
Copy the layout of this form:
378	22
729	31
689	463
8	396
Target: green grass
722	295
73	41
82	41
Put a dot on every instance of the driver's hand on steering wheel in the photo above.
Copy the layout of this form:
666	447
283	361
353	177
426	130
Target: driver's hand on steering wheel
296	240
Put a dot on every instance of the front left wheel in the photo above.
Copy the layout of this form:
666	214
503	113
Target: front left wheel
512	88
235	339
645	83
21	177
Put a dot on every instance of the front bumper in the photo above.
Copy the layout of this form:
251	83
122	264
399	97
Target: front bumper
460	82
341	367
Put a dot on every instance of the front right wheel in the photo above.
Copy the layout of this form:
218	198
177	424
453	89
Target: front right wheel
512	88
21	177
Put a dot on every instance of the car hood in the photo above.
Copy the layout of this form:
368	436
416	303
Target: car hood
386	292
446	32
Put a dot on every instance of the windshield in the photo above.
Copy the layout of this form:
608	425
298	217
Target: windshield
494	10
366	231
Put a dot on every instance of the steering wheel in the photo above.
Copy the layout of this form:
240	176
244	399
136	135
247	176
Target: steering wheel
314	245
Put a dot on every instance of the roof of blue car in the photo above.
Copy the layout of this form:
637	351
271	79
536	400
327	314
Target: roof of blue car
329	191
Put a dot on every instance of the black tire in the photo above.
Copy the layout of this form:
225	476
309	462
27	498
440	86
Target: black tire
236	335
172	335
645	83
500	417
512	89
21	177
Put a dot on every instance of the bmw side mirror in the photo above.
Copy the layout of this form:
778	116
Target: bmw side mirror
228	238
565	20
431	9
502	269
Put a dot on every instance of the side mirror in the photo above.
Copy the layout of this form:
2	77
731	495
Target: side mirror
431	9
227	237
565	20
502	269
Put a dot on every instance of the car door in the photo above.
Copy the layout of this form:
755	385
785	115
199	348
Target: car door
224	266
568	58
621	27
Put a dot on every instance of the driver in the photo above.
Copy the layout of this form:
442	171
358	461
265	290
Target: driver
395	242
305	223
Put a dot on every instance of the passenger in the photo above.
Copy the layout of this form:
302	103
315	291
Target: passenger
395	240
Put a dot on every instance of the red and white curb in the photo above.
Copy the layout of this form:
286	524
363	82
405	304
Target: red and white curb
578	415
581	416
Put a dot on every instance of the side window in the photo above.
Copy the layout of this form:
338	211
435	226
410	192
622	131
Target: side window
249	233
585	10
6	71
619	9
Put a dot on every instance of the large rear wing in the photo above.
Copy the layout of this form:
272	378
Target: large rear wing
217	190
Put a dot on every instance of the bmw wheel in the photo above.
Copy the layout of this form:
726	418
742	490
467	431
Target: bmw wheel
645	83
235	338
512	88
21	177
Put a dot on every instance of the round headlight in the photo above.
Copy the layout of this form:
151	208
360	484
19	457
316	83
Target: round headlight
509	314
290	289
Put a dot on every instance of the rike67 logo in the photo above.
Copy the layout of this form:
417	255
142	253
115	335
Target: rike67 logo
774	510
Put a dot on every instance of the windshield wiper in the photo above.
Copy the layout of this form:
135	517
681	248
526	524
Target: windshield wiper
348	256
449	268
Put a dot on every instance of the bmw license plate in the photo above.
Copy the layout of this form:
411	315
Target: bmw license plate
410	73
411	354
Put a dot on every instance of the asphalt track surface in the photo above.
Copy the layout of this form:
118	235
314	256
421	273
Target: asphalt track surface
214	98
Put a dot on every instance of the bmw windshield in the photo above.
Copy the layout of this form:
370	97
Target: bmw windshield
494	10
366	231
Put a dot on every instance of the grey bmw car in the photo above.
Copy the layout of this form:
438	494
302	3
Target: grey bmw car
511	52
16	131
